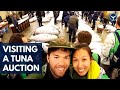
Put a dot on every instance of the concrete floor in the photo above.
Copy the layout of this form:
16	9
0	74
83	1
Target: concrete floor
26	32
30	30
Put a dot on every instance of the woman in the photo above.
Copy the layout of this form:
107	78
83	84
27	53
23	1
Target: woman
84	66
18	38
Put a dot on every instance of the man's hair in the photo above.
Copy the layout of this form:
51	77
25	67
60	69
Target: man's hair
84	37
59	43
55	49
16	38
118	20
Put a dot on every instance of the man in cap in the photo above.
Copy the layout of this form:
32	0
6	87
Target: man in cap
58	60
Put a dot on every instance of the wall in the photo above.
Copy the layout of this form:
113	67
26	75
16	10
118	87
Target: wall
3	14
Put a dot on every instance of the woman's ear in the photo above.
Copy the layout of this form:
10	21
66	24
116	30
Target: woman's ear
48	58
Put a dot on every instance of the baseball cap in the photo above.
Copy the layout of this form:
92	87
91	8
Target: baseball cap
60	43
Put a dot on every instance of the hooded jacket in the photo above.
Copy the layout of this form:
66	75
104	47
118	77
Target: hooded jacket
73	21
107	46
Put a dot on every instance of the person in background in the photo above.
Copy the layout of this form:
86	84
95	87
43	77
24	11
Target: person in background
8	18
39	15
86	37
94	19
32	13
110	46
15	22
82	14
101	17
86	15
43	13
90	16
72	26
17	38
20	14
105	18
56	14
66	20
65	13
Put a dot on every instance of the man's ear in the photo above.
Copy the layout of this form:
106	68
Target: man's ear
48	58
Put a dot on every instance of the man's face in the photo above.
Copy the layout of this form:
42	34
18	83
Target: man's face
59	62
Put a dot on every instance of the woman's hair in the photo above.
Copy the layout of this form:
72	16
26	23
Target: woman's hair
83	46
84	37
16	38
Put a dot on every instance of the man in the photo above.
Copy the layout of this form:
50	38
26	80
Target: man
82	14
20	14
108	47
90	16
73	26
94	18
58	61
15	23
101	16
65	13
8	18
66	19
86	15
105	18
86	37
39	17
56	14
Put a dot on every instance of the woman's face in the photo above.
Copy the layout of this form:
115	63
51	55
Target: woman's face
81	61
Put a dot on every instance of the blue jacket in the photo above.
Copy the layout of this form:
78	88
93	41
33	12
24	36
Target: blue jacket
66	19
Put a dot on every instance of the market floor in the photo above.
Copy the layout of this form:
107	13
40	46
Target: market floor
34	25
